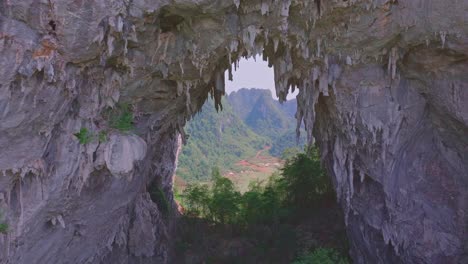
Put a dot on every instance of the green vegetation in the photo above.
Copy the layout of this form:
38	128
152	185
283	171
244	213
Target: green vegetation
196	200
216	140
219	202
267	117
3	225
84	136
225	201
250	120
305	182
290	153
264	204
102	136
301	186
274	219
266	215
3	228
121	117
322	256
287	141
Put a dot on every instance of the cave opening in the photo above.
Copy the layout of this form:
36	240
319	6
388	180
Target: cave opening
250	120
244	177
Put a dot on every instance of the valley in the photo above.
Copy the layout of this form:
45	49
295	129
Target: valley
239	139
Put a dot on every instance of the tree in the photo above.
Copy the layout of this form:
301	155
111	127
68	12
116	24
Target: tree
224	206
196	198
290	153
305	181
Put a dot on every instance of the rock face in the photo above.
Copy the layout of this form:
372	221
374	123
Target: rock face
384	82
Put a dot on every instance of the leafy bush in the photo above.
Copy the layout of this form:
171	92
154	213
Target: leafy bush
305	181
195	199
224	204
290	153
322	256
3	228
264	204
218	203
122	117
84	136
102	136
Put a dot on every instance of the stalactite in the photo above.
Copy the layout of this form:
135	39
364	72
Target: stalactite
285	8
237	3
319	52
443	37
392	62
181	65
220	82
265	7
275	44
180	88
188	100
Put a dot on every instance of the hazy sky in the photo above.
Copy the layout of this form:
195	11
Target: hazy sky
252	74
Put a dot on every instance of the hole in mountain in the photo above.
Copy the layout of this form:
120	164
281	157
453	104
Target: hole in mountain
249	134
243	178
254	73
53	25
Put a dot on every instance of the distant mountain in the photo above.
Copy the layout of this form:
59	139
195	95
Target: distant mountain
289	108
243	100
268	117
250	119
216	140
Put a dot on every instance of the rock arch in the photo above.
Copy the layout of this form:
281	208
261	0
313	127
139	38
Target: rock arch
382	87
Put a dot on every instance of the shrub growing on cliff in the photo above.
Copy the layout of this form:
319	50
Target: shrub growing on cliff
322	256
3	225
3	228
102	136
84	136
122	117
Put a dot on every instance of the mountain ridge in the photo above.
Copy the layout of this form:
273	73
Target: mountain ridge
250	120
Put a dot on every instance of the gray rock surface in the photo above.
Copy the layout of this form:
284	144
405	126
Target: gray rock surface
383	88
122	152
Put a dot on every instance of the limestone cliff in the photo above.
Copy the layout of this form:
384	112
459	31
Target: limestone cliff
384	82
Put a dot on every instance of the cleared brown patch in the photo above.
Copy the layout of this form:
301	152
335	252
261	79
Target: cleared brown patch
258	168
